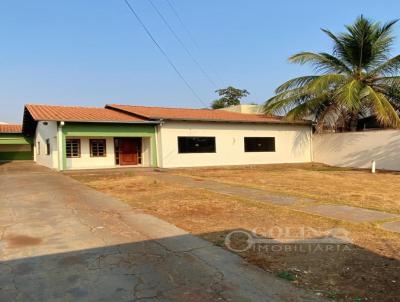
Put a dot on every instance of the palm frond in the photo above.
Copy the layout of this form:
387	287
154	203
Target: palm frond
320	61
389	67
283	102
384	111
339	49
306	108
295	83
348	95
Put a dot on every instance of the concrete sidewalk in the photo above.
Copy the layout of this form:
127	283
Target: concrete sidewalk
61	241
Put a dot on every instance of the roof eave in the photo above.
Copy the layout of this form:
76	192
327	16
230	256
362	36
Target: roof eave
97	121
306	123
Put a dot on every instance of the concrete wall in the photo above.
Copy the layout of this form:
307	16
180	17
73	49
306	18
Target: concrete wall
293	144
358	149
46	130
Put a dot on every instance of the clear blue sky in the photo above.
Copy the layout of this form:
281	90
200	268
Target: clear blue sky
93	52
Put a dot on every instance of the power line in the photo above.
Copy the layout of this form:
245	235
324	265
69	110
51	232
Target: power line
182	23
203	71
163	52
188	32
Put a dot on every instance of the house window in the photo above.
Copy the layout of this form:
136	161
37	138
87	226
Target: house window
47	146
196	144
259	144
98	147
73	148
38	148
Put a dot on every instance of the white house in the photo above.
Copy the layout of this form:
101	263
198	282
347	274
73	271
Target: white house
122	135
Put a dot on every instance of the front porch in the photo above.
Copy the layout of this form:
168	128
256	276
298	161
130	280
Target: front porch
101	146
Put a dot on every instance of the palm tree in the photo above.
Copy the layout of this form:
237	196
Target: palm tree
358	79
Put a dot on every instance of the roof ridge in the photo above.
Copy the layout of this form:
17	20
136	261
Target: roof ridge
161	107
208	109
66	106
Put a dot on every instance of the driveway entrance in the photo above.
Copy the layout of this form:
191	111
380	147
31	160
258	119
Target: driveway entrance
61	241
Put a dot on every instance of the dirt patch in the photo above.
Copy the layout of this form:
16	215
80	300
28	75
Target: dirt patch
16	241
368	268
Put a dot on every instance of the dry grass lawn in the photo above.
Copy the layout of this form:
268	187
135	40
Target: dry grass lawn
367	269
322	183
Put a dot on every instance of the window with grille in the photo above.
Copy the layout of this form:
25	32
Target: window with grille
98	147
259	144
73	148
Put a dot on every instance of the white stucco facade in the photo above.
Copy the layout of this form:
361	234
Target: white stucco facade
85	161
293	143
46	130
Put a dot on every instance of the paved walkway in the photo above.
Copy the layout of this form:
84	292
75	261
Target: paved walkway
341	212
61	241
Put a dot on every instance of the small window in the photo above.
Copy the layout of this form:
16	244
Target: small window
48	147
259	144
73	148
198	144
38	148
98	147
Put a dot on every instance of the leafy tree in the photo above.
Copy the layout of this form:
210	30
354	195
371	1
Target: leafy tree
357	79
229	96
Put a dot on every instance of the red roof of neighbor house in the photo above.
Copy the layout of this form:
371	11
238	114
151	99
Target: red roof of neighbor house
182	114
10	128
80	114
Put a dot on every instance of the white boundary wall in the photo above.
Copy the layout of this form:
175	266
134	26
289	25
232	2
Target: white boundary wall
358	149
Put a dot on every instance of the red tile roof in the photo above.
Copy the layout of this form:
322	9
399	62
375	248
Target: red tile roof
9	128
80	114
156	113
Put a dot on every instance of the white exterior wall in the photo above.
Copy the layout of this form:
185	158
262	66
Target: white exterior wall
88	162
44	132
293	144
358	149
85	161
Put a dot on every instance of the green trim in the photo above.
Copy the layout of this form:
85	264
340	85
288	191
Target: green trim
16	155
153	151
110	130
14	139
115	130
64	151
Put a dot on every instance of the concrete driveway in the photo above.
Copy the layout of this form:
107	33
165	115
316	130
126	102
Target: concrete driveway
62	241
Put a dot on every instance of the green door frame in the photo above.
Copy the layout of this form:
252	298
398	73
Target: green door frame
108	130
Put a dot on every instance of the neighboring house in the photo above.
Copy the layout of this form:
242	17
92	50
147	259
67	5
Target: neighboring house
245	108
13	144
121	135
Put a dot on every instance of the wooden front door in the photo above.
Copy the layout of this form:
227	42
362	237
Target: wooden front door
130	151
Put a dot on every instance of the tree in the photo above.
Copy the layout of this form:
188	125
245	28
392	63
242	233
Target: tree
229	96
358	79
